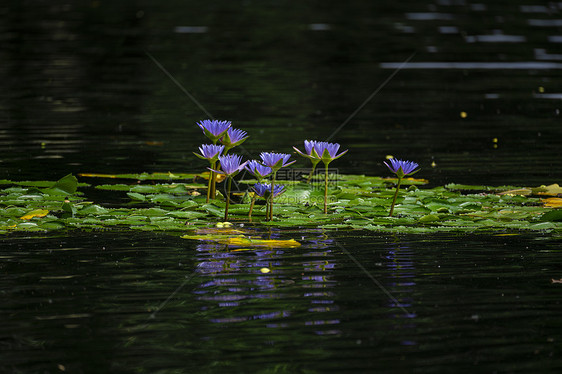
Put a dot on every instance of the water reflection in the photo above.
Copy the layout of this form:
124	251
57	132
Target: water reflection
291	287
525	65
402	271
85	303
402	283
245	284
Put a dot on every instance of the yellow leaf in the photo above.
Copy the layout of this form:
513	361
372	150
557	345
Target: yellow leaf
219	177
219	232
248	242
420	180
520	191
229	237
551	189
97	175
35	213
552	202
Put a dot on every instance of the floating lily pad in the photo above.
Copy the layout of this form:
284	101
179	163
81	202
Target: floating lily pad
142	176
355	202
35	213
553	215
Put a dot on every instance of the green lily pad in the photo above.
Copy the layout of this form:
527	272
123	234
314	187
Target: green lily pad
553	216
357	202
67	185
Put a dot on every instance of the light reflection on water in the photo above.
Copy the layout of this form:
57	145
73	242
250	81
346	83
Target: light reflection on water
524	65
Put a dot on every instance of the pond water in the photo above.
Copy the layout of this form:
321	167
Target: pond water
158	303
469	90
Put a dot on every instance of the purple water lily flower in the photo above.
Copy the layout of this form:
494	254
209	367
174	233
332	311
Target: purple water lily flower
214	129
258	170
311	155
230	165
276	160
210	152
321	151
310	151
402	168
233	137
264	189
328	152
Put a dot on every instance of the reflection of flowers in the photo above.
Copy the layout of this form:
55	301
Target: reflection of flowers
231	278
402	272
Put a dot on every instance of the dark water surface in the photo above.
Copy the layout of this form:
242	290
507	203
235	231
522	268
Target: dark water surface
80	92
89	87
156	303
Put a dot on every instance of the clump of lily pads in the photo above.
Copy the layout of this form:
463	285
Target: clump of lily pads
169	202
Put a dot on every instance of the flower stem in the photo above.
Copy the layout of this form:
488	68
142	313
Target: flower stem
311	173
213	178
271	196
227	199
251	207
213	184
326	189
267	210
395	196
209	185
